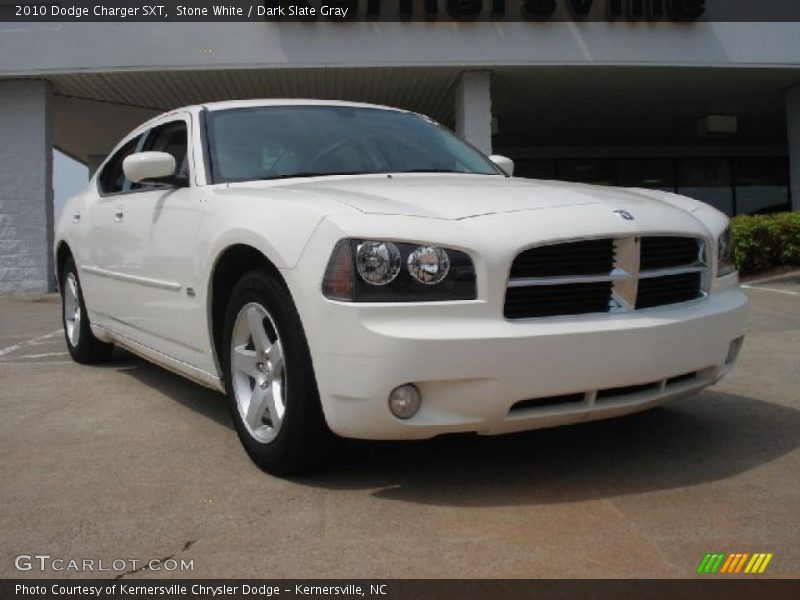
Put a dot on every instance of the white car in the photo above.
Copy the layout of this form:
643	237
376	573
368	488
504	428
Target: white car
356	269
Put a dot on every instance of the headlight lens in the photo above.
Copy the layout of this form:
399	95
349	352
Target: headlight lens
378	263
384	271
725	264
428	264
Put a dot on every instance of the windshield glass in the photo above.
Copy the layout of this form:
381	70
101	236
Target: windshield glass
274	142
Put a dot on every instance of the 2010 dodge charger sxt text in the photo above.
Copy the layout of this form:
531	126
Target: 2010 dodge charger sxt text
357	269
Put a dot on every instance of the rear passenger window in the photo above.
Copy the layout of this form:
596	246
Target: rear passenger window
112	179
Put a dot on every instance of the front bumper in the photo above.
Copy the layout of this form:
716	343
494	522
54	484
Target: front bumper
472	369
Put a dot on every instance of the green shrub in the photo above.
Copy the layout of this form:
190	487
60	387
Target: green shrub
761	242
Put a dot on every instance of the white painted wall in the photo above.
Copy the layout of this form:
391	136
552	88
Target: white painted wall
34	48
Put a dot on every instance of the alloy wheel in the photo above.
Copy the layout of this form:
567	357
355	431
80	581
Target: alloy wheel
72	310
257	372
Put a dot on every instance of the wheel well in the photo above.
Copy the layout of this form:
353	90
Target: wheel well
234	262
62	254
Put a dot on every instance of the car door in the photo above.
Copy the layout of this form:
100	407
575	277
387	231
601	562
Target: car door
162	307
102	237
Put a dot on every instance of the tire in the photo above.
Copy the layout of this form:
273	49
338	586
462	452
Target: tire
83	346
269	379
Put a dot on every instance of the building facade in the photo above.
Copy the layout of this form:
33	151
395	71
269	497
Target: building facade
707	109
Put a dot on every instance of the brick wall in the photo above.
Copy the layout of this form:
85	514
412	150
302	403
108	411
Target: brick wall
26	192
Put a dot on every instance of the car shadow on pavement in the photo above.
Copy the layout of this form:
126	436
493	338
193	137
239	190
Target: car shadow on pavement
700	439
708	437
204	401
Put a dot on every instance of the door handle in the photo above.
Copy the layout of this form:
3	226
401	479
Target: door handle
118	215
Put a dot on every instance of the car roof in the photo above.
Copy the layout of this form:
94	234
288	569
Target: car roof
232	104
228	104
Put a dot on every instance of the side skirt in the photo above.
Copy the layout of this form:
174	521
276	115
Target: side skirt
162	360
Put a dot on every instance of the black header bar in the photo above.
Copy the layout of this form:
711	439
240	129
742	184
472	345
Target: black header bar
534	11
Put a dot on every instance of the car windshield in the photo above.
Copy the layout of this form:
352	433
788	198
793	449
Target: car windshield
275	142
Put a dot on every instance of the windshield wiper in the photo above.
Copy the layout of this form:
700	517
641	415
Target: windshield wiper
300	174
311	174
431	171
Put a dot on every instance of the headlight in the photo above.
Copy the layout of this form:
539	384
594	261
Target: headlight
378	263
428	264
384	271
725	264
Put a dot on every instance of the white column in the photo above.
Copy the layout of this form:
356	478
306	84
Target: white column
793	134
26	188
474	109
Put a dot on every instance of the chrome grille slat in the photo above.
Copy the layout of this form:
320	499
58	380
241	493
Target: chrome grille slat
696	268
567	279
606	275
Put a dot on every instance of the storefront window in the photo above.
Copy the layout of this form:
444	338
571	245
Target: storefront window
761	184
597	171
708	180
651	173
733	185
535	169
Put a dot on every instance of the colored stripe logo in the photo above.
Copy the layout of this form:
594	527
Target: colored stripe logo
719	562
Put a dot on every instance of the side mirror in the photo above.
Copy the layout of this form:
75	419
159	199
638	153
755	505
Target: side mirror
148	165
505	163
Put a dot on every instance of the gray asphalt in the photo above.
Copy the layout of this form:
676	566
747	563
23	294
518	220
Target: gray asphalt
127	461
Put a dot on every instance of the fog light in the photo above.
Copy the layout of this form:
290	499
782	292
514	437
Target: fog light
404	401
733	350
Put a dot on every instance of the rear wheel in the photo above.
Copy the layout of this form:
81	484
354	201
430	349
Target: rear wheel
270	380
83	346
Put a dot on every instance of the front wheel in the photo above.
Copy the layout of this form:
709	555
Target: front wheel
83	346
269	379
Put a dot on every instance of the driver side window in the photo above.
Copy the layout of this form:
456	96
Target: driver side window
171	138
112	179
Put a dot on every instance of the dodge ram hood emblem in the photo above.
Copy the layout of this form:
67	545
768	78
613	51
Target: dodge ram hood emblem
624	214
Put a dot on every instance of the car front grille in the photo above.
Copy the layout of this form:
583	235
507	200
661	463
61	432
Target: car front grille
662	252
670	289
552	300
586	257
606	275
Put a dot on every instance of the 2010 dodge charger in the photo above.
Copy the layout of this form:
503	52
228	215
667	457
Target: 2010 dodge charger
356	269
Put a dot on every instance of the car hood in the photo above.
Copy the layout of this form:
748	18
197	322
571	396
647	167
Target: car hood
463	196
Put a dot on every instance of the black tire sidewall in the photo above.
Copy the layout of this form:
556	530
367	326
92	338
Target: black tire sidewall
298	445
89	349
